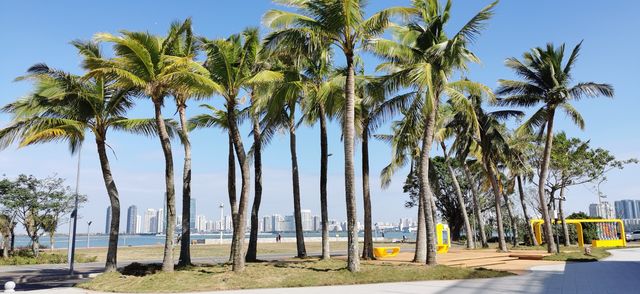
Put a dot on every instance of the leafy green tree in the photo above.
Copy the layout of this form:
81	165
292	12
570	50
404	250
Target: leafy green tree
36	202
547	79
574	162
307	30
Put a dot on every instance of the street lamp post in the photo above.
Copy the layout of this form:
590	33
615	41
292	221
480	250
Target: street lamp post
88	229
73	224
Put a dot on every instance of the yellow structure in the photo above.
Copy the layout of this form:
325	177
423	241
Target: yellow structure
443	238
386	251
608	230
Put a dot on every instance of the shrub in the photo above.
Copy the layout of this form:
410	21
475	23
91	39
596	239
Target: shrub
140	270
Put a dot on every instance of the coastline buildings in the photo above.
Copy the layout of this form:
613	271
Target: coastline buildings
107	223
603	210
192	212
153	221
132	220
627	209
150	221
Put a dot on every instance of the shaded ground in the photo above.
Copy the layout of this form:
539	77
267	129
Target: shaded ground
283	274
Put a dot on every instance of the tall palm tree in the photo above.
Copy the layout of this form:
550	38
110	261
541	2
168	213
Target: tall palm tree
143	62
424	59
373	109
219	118
307	30
322	101
230	63
443	133
63	107
547	80
519	166
184	45
281	107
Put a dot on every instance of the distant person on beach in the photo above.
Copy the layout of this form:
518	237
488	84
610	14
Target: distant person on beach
279	238
404	238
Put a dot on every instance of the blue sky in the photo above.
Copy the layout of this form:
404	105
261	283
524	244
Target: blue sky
39	31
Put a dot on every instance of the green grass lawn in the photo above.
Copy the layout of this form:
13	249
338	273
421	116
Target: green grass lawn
290	273
577	254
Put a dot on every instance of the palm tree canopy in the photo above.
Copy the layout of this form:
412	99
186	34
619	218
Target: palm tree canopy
547	78
62	106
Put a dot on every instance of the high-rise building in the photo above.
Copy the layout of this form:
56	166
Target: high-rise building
132	219
150	221
602	210
627	209
289	223
160	217
201	223
277	223
192	212
307	220
317	223
267	224
138	224
107	224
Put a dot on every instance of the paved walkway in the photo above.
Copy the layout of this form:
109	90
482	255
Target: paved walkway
616	274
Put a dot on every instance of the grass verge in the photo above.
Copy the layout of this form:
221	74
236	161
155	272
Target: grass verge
26	257
577	254
290	273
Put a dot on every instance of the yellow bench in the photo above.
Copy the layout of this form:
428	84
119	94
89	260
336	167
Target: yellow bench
386	251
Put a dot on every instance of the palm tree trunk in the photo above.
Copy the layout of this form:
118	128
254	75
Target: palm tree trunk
476	206
367	247
463	208
491	173
297	213
348	133
6	244
324	160
252	251
231	190
240	223
420	255
167	259
565	228
544	171
527	218
425	187
512	219
111	264
185	242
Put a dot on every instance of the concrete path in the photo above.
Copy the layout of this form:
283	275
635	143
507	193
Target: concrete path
616	274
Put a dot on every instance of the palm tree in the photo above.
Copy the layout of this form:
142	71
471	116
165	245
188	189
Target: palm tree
230	63
143	62
281	107
307	30
488	144
219	118
184	45
322	100
441	135
63	107
475	199
373	109
547	79
517	161
424	59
